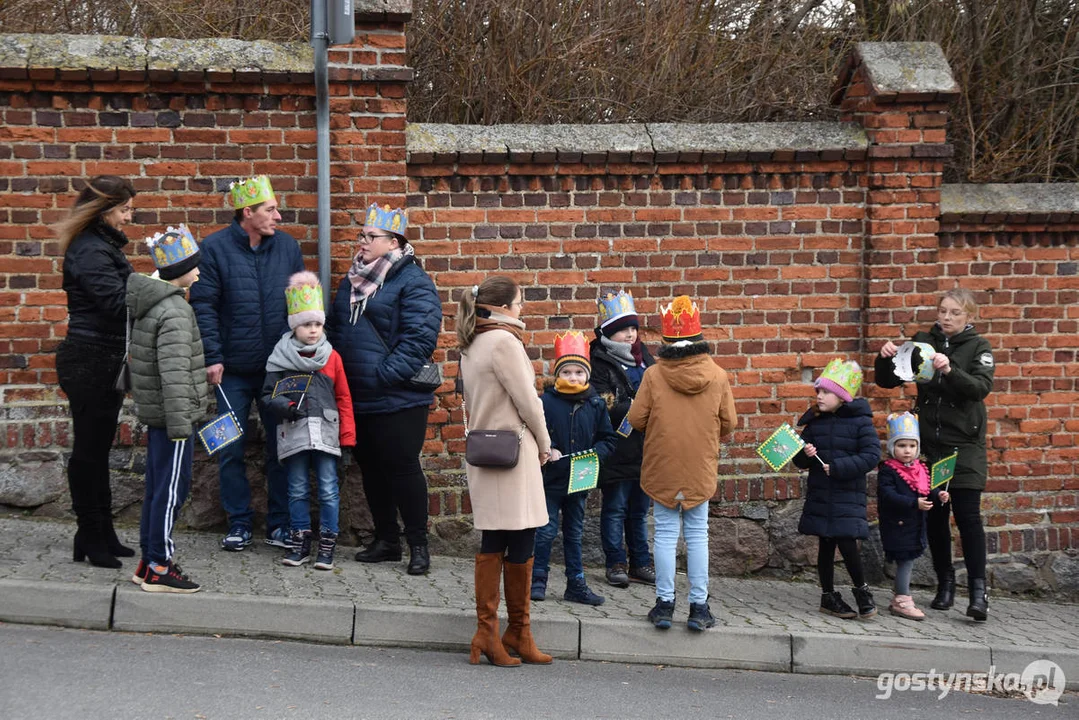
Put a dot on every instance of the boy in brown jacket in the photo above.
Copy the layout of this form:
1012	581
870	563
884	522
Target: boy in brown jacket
683	407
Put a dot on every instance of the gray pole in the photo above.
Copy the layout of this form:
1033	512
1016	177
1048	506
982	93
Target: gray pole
320	41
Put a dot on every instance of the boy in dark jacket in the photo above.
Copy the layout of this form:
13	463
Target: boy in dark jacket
577	421
168	383
841	446
619	360
903	498
307	391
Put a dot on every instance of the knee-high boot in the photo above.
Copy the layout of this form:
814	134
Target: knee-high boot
518	637
104	509
89	540
486	640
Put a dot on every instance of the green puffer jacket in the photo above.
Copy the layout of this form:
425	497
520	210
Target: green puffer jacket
951	408
168	371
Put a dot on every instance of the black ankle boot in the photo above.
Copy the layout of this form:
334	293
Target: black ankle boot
380	551
979	600
864	599
945	597
90	545
419	561
104	509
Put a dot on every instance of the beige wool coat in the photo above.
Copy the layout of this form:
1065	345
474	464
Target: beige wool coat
500	394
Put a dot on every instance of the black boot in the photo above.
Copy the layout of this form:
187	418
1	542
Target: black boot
831	603
979	600
419	561
379	551
104	508
864	599
89	543
945	597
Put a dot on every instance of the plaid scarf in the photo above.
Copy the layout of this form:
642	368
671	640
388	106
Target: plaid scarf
367	279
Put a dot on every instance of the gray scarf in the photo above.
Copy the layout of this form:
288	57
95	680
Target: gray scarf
622	352
286	355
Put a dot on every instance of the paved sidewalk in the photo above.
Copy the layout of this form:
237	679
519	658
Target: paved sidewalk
761	624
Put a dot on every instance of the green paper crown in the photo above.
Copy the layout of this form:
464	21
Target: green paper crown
845	374
245	193
305	298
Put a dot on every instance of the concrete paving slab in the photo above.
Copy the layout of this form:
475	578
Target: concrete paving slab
452	629
828	653
41	602
634	641
328	621
1016	659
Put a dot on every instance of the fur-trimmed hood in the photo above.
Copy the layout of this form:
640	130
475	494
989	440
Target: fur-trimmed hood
687	369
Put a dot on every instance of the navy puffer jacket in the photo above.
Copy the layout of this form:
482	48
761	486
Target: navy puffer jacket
390	342
575	423
902	524
609	378
846	440
239	299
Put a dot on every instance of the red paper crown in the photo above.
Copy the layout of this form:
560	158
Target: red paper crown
681	319
571	347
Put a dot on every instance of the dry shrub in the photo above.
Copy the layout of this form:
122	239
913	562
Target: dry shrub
589	61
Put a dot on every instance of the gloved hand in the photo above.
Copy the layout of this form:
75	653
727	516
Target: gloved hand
297	412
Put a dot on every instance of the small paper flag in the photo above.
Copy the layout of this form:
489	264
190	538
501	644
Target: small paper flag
624	428
780	447
943	471
583	471
291	384
221	431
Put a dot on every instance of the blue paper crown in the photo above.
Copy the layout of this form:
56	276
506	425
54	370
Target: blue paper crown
902	426
172	246
394	220
613	307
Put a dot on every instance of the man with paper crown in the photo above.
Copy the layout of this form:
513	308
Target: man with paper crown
240	304
683	407
619	359
168	384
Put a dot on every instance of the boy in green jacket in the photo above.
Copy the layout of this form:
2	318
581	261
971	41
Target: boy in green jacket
168	383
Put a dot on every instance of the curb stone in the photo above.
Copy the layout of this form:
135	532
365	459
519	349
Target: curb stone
39	602
828	654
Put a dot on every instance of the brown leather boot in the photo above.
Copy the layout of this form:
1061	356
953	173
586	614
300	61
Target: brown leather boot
518	637
486	641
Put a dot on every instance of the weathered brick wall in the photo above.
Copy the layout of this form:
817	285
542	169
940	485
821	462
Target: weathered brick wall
800	241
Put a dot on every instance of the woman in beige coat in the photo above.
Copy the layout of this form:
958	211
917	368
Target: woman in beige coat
507	504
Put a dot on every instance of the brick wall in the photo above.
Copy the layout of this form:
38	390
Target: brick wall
800	241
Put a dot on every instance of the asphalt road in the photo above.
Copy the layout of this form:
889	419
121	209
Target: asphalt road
55	674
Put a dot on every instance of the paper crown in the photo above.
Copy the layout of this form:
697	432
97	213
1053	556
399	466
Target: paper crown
571	348
303	299
615	307
174	252
252	191
914	361
394	220
902	426
681	320
844	378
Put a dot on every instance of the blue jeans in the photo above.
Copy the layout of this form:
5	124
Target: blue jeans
625	507
572	509
299	509
241	391
168	482
694	525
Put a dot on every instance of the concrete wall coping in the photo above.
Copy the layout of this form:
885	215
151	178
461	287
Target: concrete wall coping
1014	203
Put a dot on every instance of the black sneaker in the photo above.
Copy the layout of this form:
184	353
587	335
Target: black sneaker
299	548
662	614
327	541
577	591
700	617
140	572
170	581
831	603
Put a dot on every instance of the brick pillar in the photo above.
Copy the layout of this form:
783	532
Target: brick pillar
368	81
899	93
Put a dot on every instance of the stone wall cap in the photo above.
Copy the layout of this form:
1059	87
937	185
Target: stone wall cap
447	138
397	10
217	54
1012	199
82	52
903	68
757	137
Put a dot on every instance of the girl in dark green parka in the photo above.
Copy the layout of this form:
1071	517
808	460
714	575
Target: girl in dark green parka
951	412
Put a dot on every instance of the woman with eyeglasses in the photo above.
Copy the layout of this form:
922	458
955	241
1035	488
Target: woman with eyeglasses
91	355
384	323
952	416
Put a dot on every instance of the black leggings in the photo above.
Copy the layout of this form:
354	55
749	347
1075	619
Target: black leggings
848	548
516	544
966	505
388	452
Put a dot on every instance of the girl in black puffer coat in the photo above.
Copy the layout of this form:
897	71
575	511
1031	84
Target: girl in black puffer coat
841	447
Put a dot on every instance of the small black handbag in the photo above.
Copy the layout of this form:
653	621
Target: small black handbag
122	383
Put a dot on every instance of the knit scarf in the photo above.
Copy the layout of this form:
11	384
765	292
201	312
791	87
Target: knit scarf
625	353
496	321
289	354
916	475
567	388
367	278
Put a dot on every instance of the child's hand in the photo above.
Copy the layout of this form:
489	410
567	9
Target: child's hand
556	455
810	450
925	503
944	497
889	349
